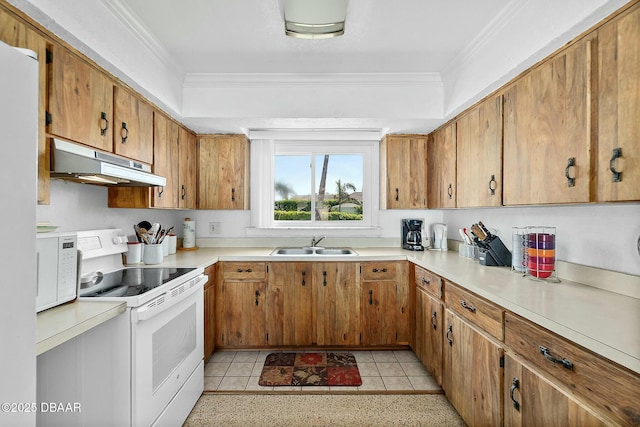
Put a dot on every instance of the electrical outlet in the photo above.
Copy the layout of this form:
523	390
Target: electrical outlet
214	228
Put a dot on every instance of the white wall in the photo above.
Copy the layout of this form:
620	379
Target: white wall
603	236
76	207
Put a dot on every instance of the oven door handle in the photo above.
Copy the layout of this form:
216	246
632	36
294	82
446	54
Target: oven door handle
168	299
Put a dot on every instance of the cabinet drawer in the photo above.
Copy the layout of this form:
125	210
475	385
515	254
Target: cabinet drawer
379	270
613	391
431	283
244	270
477	310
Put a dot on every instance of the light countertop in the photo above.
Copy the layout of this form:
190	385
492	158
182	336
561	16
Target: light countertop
64	322
604	322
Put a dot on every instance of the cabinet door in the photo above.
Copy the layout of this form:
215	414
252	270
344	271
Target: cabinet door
166	156
429	322
337	305
531	400
619	108
547	131
472	376
188	170
133	124
80	101
242	319
290	302
18	34
442	168
209	312
404	167
479	155
223	172
379	312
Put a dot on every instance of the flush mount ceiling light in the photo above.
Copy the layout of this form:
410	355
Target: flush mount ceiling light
314	19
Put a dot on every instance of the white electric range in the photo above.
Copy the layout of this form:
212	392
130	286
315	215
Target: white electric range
164	331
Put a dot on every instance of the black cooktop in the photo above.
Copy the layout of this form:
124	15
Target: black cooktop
129	281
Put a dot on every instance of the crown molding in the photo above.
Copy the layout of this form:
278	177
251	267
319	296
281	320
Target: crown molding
130	20
254	80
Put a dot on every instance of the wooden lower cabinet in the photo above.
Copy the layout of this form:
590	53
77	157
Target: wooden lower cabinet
472	375
241	300
532	400
290	303
209	312
428	341
337	306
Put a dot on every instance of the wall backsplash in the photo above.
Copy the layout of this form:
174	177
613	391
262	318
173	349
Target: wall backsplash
603	236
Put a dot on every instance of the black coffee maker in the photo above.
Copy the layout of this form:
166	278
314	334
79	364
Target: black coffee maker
412	234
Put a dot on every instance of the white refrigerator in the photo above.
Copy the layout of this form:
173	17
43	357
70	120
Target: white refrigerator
18	195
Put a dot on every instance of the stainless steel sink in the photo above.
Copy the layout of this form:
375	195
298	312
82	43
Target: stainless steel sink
313	251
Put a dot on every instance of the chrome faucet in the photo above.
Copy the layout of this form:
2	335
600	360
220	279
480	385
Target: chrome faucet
314	242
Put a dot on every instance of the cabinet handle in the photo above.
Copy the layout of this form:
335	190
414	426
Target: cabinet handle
370	297
304	273
426	281
564	361
324	278
449	335
397	194
617	176
375	270
434	320
184	192
469	307
515	385
571	181
257	298
103	130
124	133
493	185
233	194
248	270
160	191
450	191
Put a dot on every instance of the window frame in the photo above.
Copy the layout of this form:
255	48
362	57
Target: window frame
263	152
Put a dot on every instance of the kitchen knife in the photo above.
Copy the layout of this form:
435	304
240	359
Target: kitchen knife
485	229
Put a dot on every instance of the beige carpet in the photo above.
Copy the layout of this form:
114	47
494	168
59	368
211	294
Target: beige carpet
323	410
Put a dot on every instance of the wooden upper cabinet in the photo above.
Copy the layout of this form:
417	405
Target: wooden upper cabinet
479	155
403	172
223	172
442	168
188	170
166	160
80	101
133	126
619	108
18	34
547	131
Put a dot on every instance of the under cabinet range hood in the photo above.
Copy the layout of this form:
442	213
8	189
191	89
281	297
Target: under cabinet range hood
78	163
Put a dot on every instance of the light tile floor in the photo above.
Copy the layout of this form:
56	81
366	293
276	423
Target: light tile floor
388	370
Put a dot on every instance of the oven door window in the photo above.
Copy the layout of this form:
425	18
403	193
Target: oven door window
172	344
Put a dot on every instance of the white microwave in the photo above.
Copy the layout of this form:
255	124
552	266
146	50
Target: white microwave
57	261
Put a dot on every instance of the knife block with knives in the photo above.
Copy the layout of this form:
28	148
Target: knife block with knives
492	250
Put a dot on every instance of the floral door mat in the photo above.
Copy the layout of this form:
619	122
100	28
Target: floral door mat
310	369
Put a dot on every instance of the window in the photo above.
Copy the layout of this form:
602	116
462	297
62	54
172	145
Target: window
317	183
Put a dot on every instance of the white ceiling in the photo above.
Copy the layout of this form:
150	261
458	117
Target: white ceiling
381	36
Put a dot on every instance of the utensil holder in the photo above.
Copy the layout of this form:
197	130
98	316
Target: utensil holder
541	246
468	251
152	254
495	250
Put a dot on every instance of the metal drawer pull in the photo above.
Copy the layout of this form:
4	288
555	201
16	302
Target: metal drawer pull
434	321
324	278
248	270
469	307
571	181
124	133
397	194
515	385
103	117
565	362
304	273
375	270
616	175
426	281
370	297
449	335
450	191
493	185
